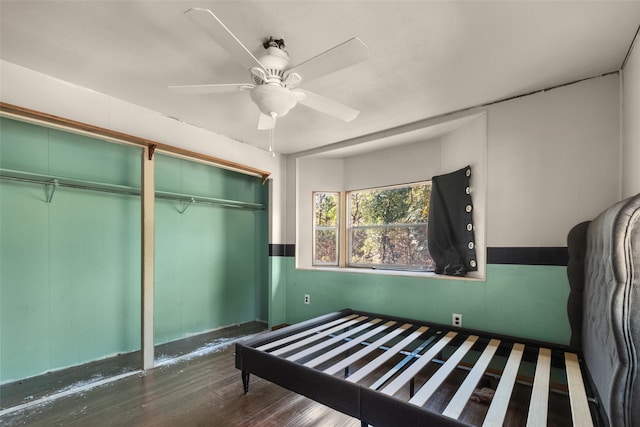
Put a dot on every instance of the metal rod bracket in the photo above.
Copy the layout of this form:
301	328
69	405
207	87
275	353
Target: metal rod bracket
51	189
189	202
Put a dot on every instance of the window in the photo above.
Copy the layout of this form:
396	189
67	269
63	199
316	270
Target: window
325	228
387	227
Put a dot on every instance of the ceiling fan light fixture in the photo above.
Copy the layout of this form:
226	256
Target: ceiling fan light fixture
273	99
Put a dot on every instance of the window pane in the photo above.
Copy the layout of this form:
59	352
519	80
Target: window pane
325	228
391	246
396	205
388	227
326	209
326	250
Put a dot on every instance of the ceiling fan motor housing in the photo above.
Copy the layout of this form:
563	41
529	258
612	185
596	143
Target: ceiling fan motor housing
275	62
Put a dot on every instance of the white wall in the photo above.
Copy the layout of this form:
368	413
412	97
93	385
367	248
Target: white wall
399	165
631	124
554	161
467	145
312	174
36	91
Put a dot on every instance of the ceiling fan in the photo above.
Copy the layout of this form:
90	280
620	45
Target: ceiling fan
273	86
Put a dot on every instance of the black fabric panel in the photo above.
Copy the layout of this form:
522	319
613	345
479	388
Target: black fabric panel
285	250
528	255
450	235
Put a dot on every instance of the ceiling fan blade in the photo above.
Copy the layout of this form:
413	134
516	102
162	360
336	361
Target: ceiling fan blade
338	57
223	36
210	88
266	122
326	105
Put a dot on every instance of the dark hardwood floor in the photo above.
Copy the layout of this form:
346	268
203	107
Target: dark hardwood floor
195	383
202	388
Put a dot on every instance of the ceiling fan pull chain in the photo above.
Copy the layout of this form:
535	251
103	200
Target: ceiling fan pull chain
272	135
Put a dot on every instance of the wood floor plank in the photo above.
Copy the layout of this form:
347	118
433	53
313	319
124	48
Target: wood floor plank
204	389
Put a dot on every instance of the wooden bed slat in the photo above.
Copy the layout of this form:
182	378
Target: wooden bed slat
367	366
538	407
498	408
401	364
317	336
425	392
324	344
460	399
304	333
346	346
365	351
388	354
417	366
577	394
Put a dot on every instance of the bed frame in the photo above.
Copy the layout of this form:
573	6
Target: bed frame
384	370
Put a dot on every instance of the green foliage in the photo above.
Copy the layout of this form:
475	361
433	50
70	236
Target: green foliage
325	239
380	231
403	205
326	209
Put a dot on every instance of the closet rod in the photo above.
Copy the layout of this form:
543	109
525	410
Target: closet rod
52	182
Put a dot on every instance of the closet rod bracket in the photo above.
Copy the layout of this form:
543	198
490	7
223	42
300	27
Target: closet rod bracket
51	189
189	202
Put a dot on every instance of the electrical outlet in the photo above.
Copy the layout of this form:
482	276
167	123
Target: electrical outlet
307	299
457	320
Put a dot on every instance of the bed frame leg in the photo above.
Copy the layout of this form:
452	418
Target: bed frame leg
245	381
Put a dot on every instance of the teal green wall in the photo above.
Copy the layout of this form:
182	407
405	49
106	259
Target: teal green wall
518	300
70	270
211	261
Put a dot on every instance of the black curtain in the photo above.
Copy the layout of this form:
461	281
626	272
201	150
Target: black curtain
450	235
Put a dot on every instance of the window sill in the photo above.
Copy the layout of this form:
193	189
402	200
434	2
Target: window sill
401	273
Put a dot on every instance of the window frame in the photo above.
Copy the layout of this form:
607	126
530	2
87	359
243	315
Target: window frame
343	230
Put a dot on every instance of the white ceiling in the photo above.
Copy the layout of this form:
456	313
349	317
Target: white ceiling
427	58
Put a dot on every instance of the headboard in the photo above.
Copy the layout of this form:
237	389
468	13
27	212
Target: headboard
611	310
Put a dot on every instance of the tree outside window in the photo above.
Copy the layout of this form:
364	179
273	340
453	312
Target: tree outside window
387	227
325	228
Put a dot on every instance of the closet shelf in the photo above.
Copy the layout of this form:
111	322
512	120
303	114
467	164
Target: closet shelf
52	182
